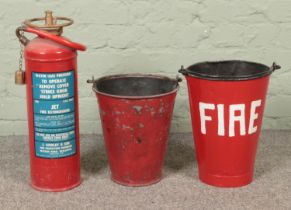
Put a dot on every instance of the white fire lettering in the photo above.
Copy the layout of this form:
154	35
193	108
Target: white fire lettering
237	117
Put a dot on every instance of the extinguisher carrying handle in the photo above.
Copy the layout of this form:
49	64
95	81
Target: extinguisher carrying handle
19	33
44	34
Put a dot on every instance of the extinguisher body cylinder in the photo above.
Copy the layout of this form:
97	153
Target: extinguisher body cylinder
52	104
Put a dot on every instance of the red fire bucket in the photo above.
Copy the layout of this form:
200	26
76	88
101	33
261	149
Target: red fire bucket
227	101
136	112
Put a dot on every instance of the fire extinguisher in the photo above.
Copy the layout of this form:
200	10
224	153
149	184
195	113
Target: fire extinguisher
52	102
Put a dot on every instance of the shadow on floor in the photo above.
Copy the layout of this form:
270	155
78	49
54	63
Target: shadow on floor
93	157
273	152
180	154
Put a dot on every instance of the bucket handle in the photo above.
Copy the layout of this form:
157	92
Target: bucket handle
183	71
178	79
91	80
275	66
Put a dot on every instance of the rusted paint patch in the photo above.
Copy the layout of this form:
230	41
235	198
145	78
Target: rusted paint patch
161	110
118	112
123	143
127	178
140	125
150	109
138	140
153	111
125	127
137	109
102	113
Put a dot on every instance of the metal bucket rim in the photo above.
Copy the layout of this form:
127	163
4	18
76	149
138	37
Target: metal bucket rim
266	72
158	76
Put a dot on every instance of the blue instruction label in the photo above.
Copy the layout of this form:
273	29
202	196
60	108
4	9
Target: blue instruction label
54	114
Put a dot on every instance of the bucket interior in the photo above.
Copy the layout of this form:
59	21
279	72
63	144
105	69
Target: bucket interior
135	85
229	70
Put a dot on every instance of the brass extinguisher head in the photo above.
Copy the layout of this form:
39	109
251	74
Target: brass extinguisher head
50	23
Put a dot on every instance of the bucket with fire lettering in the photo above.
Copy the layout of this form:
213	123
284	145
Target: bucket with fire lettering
227	101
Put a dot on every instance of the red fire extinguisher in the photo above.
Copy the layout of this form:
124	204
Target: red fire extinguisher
52	103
